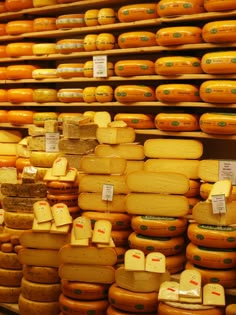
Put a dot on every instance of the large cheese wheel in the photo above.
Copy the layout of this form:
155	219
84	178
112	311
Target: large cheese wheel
44	24
70	70
10	278
136	121
16	72
105	41
219	62
176	122
44	49
39	118
70	95
218	91
9	294
178	35
39	257
219	31
9	261
219	5
167	8
104	93
19	27
173	65
44	95
43	3
134	93
137	12
20	117
7	161
91	17
18	220
3	51
43	159
187	309
20	95
177	92
27	306
17	5
44	73
218	123
71	200
39	274
126	68
19	49
68	21
67	46
129	301
62	117
136	39
106	16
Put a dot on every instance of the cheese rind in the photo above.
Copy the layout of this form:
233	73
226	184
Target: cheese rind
27	306
103	165
24	190
42	240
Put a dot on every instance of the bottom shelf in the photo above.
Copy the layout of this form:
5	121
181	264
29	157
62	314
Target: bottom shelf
13	308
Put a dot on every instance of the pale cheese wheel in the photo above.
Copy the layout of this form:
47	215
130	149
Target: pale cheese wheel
176	122
37	274
19	27
9	261
70	70
44	49
39	257
44	74
115	135
173	65
19	49
68	21
27	306
126	68
43	24
17	72
219	5
137	12
218	123
70	95
43	3
128	151
91	17
43	159
105	41
39	118
20	95
106	16
18	220
134	93
9	294
218	91
219	31
67	46
20	117
190	309
10	278
136	39
18	5
177	92
219	62
136	121
168	8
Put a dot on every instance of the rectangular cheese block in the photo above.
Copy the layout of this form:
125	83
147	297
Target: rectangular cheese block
74	160
70	175
132	166
157	204
93	201
95	183
77	146
129	151
173	148
81	131
8	148
24	204
187	167
93	164
37	143
35	131
87	273
8	175
115	135
88	255
24	190
43	159
39	257
208	170
10	136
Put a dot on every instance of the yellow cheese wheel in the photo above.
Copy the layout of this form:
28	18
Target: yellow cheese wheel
39	118
105	41
179	35
70	95
17	5
177	92
43	24
187	309
89	94
39	274
126	68
19	49
3	51
218	123
18	220
218	91
176	122
89	42
134	93
173	65
20	117
136	121
219	62
137	39
44	95
20	95
10	278
215	258
17	72
44	49
219	31
106	16
70	70
44	74
43	3
67	46
3	95
27	306
104	93
219	5
91	17
179	7
19	27
7	161
3	71
68	21
137	12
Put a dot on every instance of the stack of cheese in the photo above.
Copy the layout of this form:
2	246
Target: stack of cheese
212	247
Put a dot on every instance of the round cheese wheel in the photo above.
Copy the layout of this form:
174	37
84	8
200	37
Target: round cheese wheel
68	21
60	188
179	7
20	95
179	35
91	17
165	245
176	122
70	70
189	309
104	93
70	95
194	188
71	200
9	294
126	68
88	69
39	118
137	39
230	308
134	93
18	72
7	161
129	301
44	49
3	7
205	189
105	41
84	291
39	274
173	65
218	123
3	51
215	258
19	49
3	115
219	31
9	261
136	121
10	278
44	74
67	46
158	226
219	5
43	3
64	116
27	306
3	95
106	16
19	27
120	237
2	29
21	162
176	263
81	306
20	117
115	311
43	24
218	91
17	5
137	12
175	93
89	42
219	62
89	94
3	73
44	95
18	220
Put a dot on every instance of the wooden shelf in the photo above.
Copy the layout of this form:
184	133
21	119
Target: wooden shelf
11	307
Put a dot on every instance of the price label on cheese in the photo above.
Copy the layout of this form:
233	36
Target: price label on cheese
52	140
227	170
107	192
218	204
100	66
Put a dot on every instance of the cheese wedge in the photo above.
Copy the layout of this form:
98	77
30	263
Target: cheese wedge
221	187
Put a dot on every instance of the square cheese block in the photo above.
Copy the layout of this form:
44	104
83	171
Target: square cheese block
93	164
77	146
82	131
115	135
36	143
128	151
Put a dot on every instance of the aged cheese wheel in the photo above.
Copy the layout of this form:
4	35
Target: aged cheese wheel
39	274
44	95
219	62
106	16
60	187
187	309
44	74
44	49
219	31
67	46
126	68
44	24
17	72
9	261
89	42
19	27
10	278
181	92
19	49
43	3
134	93
3	51
70	70
167	8
91	17
219	5
70	95
17	5
27	306
176	122
218	91
137	12
105	41
20	117
20	95
18	220
178	35
218	123
68	21
136	39
136	121
173	65
9	294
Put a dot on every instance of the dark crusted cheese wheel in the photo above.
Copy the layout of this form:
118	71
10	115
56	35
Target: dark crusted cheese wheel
9	261
71	200
10	278
27	307
60	187
41	274
18	220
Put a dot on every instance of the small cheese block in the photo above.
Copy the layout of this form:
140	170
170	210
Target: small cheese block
115	135
102	232
61	214
39	257
8	175
77	146
41	274
213	294
134	260
128	151
24	204
169	291
42	211
59	167
41	227
37	143
93	164
27	306
190	283
82	227
75	131
221	187
69	177
24	190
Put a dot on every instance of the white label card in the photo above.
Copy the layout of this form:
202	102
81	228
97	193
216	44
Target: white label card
100	66
218	204
52	139
107	192
227	170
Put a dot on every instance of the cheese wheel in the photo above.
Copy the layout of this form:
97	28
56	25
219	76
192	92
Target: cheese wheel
129	301
20	117
67	46
19	27
27	306
134	93
175	93
179	35
219	5
190	309
89	42
9	261
104	93
17	72
136	121
43	24
3	7
126	68
68	116
70	95
71	200
219	62
158	226
20	95
137	12
10	278
43	3
230	309
17	5
88	69
60	187
105	41
3	96
39	257
18	220
2	29
43	159
19	49
10	136
173	65
127	151
3	73
106	16
209	170
219	31
70	70
91	17
44	95
205	189
44	74
167	8
39	118
176	263
39	274
3	115
89	94
176	122
9	294
44	49
218	123
68	21
3	51
7	161
136	39
115	311
218	91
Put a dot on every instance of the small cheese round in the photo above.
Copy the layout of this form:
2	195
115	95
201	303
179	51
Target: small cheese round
68	21
19	27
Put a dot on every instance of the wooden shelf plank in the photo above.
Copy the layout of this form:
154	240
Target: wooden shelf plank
11	307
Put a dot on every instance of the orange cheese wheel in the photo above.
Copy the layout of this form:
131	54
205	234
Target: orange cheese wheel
212	236
215	258
136	121
44	74
134	93
7	161
179	7
19	27
105	41
3	73
2	29
173	65
165	245
68	21
89	94
89	42
84	291
219	62
39	274
43	3
17	5
3	7
17	72
71	200
189	309
21	162
181	92
3	116
175	263
91	17
82	307
137	39
194	188
104	93
129	301
115	311
20	95
88	69
219	5
70	95
9	261
3	95
137	12
120	237
20	117
67	46
176	122
126	68
60	187
226	277
218	91
44	49
106	16
70	70
158	226
179	35
39	118
219	31
44	95
19	49
218	123
43	24
3	51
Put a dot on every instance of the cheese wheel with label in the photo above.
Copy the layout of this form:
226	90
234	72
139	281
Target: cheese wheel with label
206	187
70	70
134	93
181	92
179	35
19	27
219	5
44	74
176	122
218	123
187	309
105	41
17	72
106	16
91	17
137	39
19	49
27	306
136	121
173	65
43	24
219	31
219	62
39	118
218	91
70	95
67	46
20	117
18	5
68	21
126	68
37	274
168	8
20	95
137	12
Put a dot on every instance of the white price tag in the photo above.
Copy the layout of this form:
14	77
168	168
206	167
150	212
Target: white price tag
107	192
52	139
227	170
218	204
100	66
